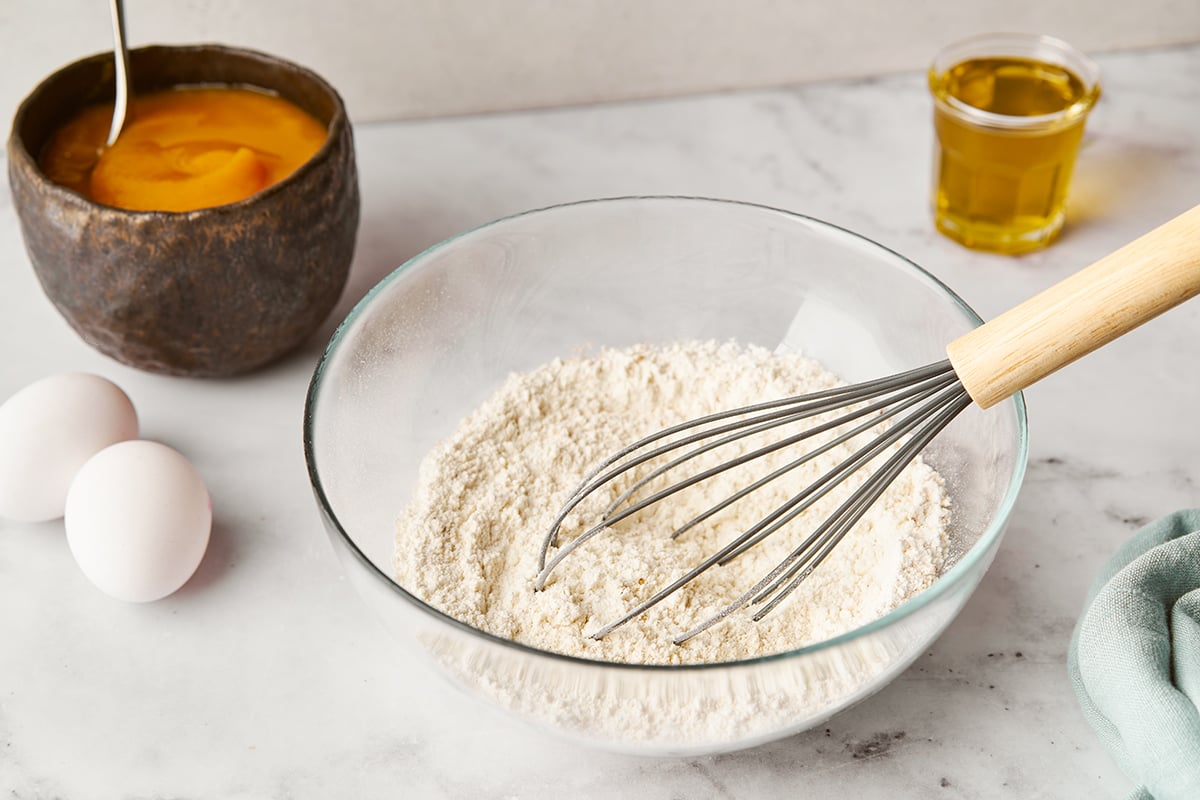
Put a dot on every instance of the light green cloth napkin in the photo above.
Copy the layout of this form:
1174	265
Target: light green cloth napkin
1135	658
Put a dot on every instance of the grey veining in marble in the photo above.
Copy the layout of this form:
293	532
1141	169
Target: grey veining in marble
264	678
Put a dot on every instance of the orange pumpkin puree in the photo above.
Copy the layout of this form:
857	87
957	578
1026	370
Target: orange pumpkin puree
183	149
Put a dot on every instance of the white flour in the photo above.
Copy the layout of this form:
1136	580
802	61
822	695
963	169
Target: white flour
469	542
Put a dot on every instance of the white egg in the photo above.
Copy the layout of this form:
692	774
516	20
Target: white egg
47	431
138	519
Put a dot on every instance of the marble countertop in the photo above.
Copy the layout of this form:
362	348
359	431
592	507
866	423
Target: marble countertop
265	677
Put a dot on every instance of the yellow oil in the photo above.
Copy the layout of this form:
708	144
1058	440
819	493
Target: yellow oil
1001	181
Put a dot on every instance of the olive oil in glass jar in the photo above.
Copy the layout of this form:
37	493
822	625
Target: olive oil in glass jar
1009	114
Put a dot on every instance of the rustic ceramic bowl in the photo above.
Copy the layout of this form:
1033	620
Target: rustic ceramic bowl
213	292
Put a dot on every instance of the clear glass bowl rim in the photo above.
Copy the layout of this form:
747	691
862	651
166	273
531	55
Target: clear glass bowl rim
944	583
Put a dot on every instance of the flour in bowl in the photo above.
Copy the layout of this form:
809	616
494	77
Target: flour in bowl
468	543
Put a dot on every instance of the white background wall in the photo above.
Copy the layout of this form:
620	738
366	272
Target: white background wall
417	58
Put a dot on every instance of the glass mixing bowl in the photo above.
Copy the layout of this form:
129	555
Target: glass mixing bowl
436	337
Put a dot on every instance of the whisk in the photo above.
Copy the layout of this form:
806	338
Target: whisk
990	363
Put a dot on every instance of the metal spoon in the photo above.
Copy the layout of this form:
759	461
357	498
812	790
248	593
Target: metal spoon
121	57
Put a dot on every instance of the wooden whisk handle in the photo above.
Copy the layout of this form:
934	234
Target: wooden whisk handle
1101	302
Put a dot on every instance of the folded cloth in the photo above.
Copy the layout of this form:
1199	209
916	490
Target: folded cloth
1135	658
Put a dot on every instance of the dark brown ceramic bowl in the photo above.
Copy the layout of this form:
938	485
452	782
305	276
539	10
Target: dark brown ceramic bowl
213	292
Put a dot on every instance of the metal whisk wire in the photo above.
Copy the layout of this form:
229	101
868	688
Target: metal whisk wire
933	391
800	563
767	415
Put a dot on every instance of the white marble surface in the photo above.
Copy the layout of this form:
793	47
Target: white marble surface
264	678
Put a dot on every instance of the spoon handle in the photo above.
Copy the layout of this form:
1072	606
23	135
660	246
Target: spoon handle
121	58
